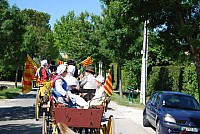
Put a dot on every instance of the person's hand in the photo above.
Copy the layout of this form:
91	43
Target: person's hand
81	76
78	88
67	98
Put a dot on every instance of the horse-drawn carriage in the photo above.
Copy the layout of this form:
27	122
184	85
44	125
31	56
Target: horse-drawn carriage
78	119
42	98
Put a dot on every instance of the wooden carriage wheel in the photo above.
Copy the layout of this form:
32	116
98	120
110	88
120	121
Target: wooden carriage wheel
37	106
54	128
44	124
110	126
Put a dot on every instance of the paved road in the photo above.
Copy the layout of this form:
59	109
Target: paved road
9	83
128	120
17	117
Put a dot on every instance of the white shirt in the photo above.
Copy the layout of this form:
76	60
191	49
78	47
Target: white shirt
99	94
59	88
88	82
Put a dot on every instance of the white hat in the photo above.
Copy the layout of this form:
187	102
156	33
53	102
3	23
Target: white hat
61	68
71	69
65	63
100	78
44	63
73	81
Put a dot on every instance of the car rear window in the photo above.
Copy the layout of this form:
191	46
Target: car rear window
180	101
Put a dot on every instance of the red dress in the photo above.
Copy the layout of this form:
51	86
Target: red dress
44	76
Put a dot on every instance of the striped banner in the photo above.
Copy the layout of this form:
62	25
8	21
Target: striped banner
29	74
60	62
108	84
87	61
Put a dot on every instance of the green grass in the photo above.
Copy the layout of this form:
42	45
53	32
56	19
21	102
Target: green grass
124	101
9	93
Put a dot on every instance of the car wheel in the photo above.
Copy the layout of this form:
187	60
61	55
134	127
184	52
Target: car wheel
158	129
145	121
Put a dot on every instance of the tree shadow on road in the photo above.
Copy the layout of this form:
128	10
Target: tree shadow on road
31	94
21	129
17	113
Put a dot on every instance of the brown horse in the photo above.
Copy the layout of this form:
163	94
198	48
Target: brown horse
64	129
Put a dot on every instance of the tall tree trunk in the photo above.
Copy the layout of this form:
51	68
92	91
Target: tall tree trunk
120	80
16	74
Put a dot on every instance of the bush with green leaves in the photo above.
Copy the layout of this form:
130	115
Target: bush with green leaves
173	78
164	78
190	81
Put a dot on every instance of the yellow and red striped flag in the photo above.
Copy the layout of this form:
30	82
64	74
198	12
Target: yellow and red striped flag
87	61
108	84
29	74
60	62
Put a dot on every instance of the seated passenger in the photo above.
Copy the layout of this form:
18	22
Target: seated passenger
100	93
60	87
76	99
41	73
88	81
61	90
70	75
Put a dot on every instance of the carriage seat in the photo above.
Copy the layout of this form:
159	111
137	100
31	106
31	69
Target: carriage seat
87	94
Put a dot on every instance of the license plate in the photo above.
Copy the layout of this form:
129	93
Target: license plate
190	129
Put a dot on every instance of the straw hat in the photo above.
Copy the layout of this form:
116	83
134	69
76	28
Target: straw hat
89	69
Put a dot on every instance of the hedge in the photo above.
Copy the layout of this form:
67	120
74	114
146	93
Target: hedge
173	78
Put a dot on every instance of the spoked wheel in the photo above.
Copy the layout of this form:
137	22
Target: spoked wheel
37	107
44	124
110	126
54	129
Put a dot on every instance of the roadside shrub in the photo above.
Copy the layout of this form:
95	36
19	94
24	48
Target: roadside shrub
164	78
190	84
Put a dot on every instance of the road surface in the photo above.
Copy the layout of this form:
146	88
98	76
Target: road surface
17	117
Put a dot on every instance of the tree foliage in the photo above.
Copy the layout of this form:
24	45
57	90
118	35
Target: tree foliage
19	36
39	37
176	24
72	35
12	29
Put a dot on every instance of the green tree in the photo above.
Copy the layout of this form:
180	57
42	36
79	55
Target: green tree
73	35
12	30
120	35
176	24
39	37
4	10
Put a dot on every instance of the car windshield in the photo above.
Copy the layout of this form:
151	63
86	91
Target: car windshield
180	101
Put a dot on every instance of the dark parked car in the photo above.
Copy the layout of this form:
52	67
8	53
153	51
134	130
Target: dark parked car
172	112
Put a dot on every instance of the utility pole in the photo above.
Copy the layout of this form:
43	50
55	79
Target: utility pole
144	65
100	67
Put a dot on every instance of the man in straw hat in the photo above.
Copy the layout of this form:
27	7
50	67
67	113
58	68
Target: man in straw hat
88	81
